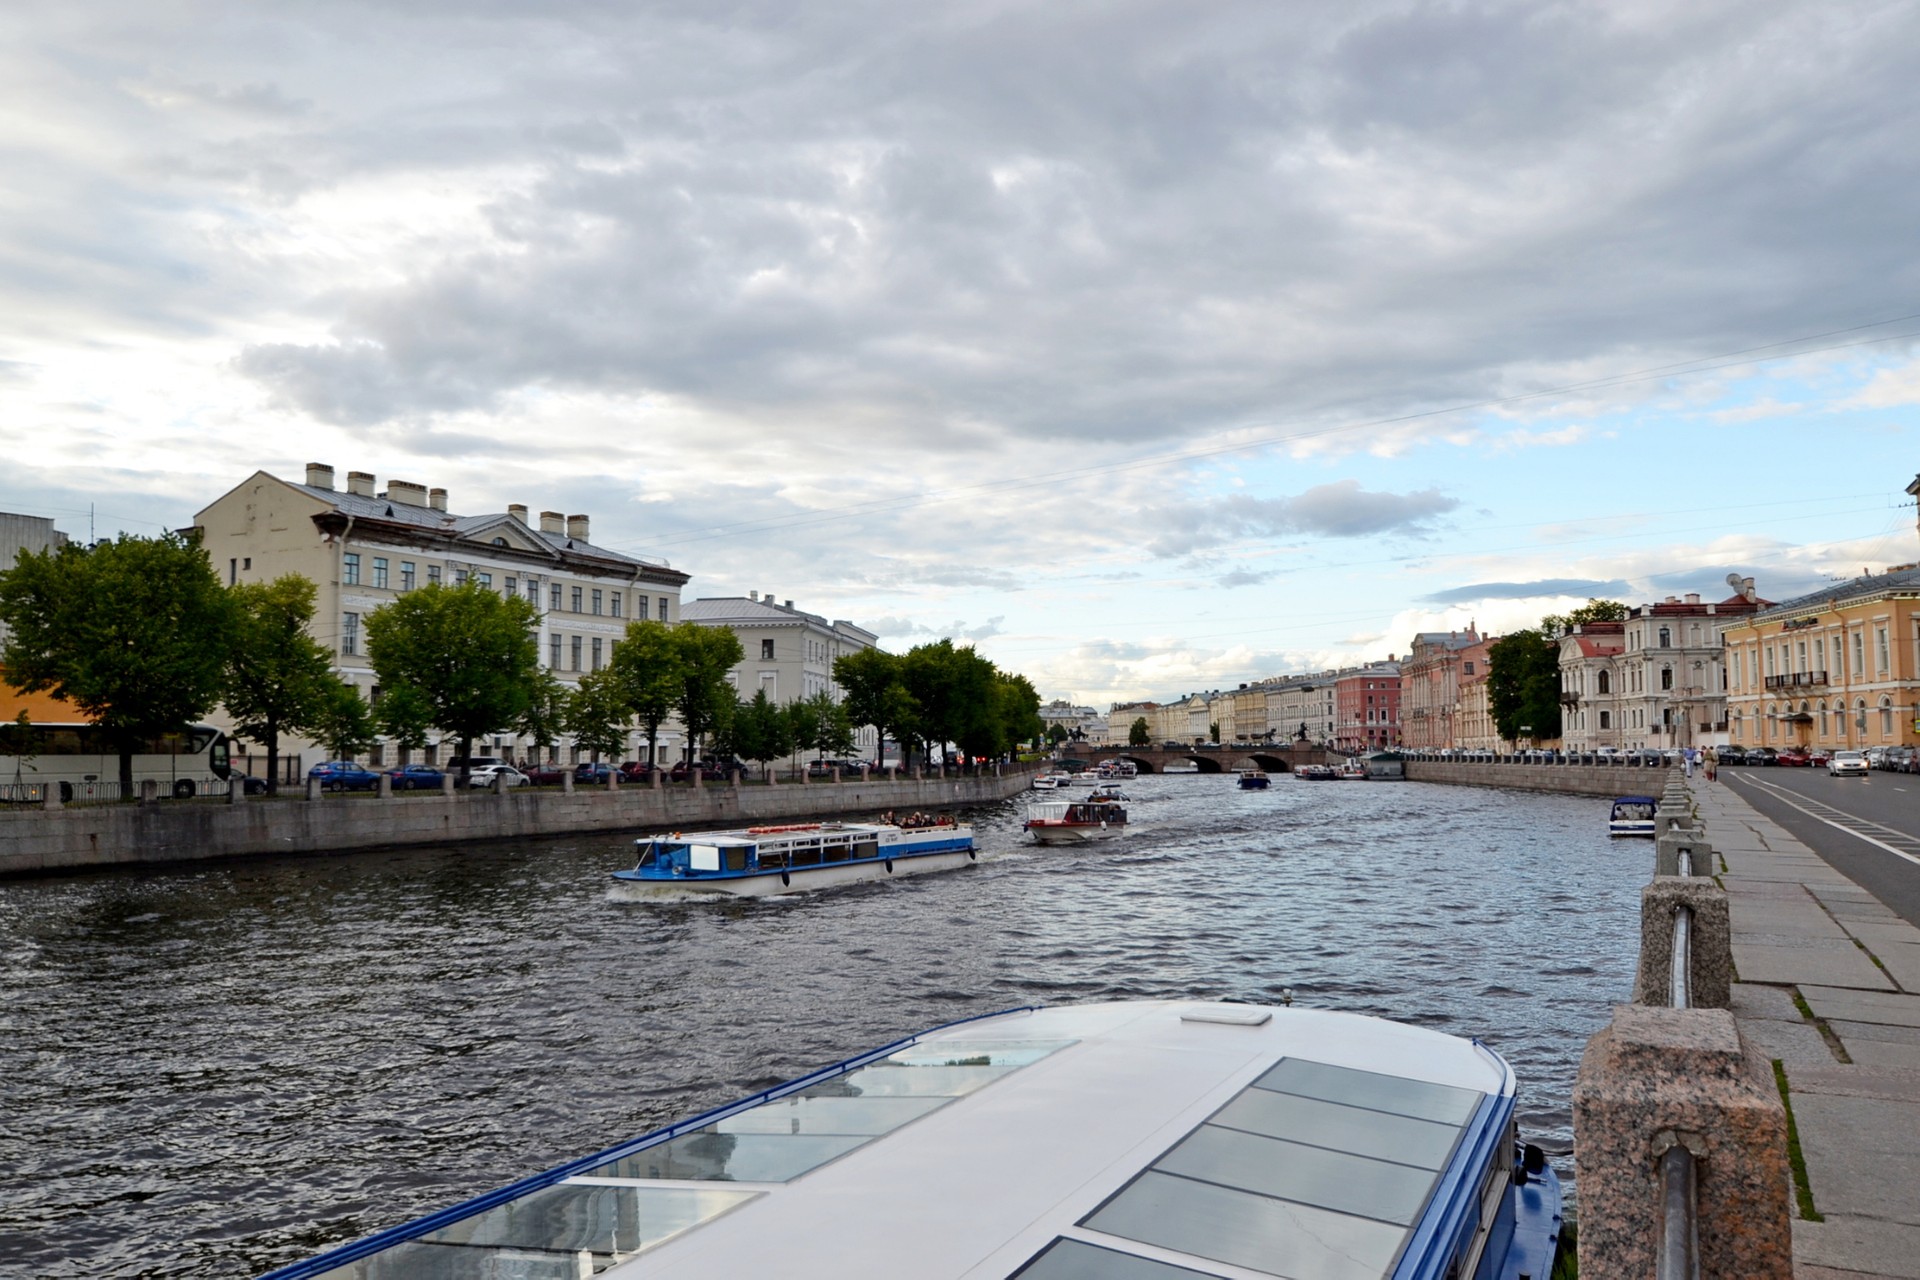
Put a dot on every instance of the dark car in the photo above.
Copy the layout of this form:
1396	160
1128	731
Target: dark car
1731	755
825	768
249	785
343	775
1763	755
545	775
595	773
637	771
416	777
709	771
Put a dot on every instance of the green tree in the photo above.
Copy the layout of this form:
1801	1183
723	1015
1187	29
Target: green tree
870	686
953	688
1523	685
1139	733
134	632
1554	625
706	698
545	718
1019	710
821	725
278	678
1056	734
762	731
597	714
646	663
464	656
344	724
1213	732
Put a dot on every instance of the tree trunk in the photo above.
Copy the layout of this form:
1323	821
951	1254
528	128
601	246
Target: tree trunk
273	758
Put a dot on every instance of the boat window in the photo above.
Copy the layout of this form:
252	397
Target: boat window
867	849
1077	1260
836	852
737	859
1312	1171
703	857
808	856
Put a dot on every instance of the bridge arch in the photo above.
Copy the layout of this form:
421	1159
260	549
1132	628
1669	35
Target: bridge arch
1271	763
1208	764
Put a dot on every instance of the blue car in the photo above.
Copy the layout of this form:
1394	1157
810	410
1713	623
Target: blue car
416	777
343	775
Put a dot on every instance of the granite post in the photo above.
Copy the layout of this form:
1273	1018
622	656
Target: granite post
1710	941
1656	1078
1667	850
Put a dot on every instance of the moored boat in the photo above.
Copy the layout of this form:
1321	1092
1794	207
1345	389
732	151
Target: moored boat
759	862
1633	816
1075	821
1254	780
1141	1138
1385	766
1051	780
1107	791
1352	770
1317	773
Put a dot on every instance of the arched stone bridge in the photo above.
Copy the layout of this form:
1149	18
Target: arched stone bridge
1211	760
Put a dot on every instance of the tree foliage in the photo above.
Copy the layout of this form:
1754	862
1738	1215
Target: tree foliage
1523	686
762	731
646	665
706	698
344	724
939	693
462	657
279	679
134	632
1139	733
1555	625
597	713
545	718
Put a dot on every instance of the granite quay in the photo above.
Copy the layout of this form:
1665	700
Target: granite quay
1563	775
1212	759
38	840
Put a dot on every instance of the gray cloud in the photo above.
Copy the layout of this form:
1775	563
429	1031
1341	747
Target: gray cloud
906	628
1590	588
1339	510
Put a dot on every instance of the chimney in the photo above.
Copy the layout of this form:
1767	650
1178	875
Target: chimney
319	475
518	511
437	499
577	527
552	522
1693	597
414	495
753	595
360	482
788	606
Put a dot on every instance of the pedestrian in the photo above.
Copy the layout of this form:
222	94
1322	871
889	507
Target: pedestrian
1713	764
1686	761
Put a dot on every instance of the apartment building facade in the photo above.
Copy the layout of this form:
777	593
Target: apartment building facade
787	652
1430	687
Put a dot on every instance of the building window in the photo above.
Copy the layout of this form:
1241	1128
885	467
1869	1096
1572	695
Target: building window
577	593
485	580
615	602
460	577
1859	659
770	685
349	633
380	571
596	602
1666	677
350	569
1823	717
766	651
433	575
1880	647
663	608
1886	714
574	649
513	587
553	653
553	598
1860	713
1605	684
596	653
406	575
1666	637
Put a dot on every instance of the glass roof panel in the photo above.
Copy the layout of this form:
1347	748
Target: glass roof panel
1309	1175
896	1080
977	1053
1077	1260
800	1114
707	1156
1273	1237
1329	1124
1370	1089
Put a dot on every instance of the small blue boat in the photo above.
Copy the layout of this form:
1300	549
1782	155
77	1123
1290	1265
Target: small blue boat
1254	780
1633	816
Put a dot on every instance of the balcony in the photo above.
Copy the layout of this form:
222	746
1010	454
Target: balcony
1798	680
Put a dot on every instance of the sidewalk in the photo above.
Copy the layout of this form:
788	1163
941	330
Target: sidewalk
1828	983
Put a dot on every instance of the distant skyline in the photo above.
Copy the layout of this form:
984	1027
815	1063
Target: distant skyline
1151	348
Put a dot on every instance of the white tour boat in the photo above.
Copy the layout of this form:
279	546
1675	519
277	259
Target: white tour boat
1151	1140
1108	791
761	861
1051	780
1075	821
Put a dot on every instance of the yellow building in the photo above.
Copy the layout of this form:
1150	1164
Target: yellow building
1835	669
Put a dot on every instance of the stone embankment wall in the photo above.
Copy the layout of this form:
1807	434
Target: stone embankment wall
38	840
1571	779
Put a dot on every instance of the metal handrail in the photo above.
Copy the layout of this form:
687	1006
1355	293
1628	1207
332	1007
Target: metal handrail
1679	1228
1681	990
1683	864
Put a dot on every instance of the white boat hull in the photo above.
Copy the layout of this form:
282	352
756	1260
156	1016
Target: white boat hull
793	880
1074	834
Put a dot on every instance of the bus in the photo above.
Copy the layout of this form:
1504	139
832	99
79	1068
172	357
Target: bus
83	761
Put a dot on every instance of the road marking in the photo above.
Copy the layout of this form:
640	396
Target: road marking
1791	799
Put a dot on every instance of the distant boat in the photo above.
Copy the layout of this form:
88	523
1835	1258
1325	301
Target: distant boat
1317	773
1385	766
1075	821
1632	816
761	861
1353	771
1254	780
1108	791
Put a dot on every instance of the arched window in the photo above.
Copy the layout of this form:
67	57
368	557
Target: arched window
1606	720
1604	682
1860	715
1886	717
1666	677
1823	717
1773	730
1666	637
1739	727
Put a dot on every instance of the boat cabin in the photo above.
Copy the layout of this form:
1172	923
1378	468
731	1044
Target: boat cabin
1082	812
759	849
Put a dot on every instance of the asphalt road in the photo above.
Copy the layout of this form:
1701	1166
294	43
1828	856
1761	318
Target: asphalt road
1868	828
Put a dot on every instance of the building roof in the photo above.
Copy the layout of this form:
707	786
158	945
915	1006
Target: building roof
1905	578
1447	639
743	612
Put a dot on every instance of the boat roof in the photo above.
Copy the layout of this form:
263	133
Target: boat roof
760	835
1636	800
1162	1139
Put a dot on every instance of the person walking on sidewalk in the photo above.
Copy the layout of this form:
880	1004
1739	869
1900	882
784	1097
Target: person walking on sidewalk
1686	761
1711	760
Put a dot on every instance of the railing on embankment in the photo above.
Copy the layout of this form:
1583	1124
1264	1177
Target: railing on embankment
35	840
1679	1134
1572	779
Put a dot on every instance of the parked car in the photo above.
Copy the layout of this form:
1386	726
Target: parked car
637	771
488	774
1817	757
1791	756
593	772
249	785
1899	760
825	768
709	772
1847	764
343	775
1763	756
1731	755
416	777
545	775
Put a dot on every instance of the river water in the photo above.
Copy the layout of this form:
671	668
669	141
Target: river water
213	1070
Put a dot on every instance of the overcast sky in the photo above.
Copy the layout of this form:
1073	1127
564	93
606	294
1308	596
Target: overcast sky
1152	346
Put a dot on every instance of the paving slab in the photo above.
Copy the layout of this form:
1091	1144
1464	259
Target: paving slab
1888	1007
1809	960
1783	916
1804	1272
1882	1053
1851	1031
1859	1244
1875	933
1751	1000
1795	1043
1886	1084
1863	1155
1900	960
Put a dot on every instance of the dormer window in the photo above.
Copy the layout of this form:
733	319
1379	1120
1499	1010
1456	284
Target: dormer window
499	542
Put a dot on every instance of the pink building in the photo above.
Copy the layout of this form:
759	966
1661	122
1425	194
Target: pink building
1366	707
1430	687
